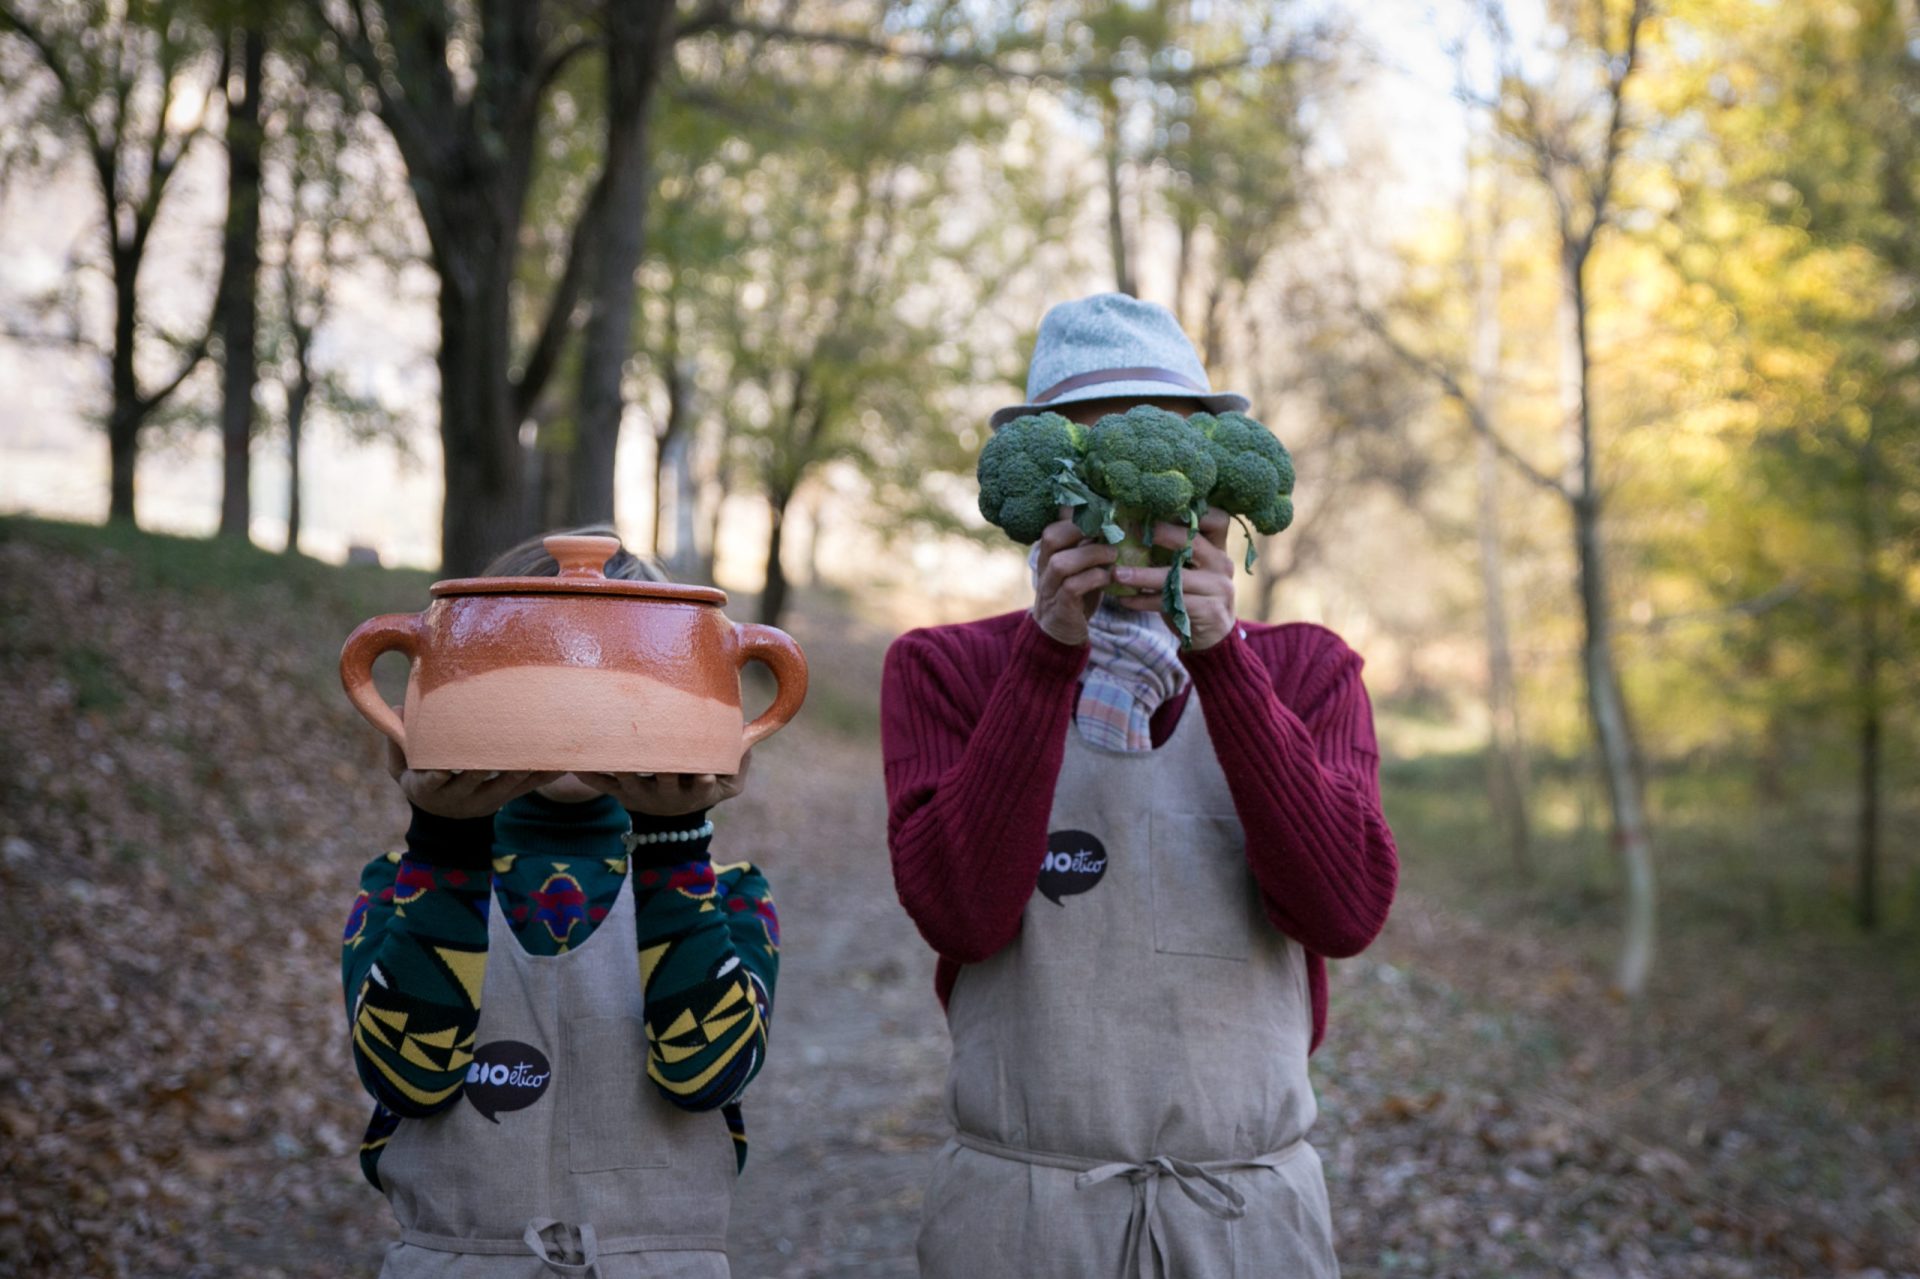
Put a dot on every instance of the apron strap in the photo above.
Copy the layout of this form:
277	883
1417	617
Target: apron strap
557	1243
545	1235
1144	1254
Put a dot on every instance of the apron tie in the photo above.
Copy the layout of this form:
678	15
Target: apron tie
545	1237
1145	1253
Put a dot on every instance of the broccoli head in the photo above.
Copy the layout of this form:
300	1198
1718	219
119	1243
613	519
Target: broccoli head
1017	472
1150	461
1254	471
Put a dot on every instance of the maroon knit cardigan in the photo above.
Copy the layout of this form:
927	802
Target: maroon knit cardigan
973	724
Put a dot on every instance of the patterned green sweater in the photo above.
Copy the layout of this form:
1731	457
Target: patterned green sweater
415	950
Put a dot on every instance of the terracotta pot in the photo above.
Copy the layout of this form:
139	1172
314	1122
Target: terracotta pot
573	673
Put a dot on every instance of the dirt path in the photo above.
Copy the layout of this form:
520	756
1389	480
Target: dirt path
847	1111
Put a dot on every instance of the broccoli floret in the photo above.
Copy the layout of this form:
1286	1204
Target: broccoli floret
1254	471
1151	463
1018	493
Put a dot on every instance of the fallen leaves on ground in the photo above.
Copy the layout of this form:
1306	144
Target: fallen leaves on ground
187	803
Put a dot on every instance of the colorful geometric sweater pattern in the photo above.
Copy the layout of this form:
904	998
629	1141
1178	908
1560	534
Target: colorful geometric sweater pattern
414	960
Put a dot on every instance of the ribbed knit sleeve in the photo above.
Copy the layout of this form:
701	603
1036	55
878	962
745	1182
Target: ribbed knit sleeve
1304	771
973	725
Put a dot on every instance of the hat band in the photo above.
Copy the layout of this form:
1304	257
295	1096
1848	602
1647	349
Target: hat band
1098	376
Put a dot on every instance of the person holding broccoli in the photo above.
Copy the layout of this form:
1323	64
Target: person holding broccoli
1133	827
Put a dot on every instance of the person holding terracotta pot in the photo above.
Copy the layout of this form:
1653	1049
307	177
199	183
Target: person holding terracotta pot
1133	861
557	999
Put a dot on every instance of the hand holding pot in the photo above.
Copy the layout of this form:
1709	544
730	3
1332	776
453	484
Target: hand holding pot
459	794
670	794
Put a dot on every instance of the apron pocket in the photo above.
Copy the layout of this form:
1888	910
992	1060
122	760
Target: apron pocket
607	1097
1204	896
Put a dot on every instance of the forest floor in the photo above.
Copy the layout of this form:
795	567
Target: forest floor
187	801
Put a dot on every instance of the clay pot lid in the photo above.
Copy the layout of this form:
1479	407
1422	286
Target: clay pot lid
582	562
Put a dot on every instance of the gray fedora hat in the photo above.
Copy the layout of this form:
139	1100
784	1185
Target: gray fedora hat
1111	344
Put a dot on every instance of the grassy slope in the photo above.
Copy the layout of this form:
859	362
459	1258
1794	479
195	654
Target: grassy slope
186	804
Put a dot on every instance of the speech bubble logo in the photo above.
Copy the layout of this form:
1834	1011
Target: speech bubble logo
506	1075
1076	861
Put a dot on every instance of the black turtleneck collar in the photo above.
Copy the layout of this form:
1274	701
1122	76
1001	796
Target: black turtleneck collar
538	825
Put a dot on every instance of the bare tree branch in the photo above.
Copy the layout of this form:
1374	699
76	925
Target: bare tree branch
12	20
713	15
545	352
188	363
966	60
1450	384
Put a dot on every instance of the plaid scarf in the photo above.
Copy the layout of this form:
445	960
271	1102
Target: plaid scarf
1134	668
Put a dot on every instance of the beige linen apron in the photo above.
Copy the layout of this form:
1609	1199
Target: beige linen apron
1129	1082
599	1176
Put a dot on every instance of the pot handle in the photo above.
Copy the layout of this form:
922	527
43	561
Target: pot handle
390	633
776	650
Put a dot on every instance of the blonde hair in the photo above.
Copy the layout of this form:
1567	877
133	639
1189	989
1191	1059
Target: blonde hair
530	558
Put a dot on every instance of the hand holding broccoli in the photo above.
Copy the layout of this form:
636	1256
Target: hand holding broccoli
1073	574
1206	582
1150	482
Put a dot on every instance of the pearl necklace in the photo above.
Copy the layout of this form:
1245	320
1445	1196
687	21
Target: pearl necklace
634	839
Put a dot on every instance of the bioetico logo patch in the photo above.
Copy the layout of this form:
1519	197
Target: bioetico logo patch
507	1075
1075	862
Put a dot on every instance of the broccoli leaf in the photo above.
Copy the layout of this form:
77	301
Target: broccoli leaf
1173	599
1253	552
1092	513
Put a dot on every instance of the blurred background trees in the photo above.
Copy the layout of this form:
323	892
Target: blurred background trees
1608	454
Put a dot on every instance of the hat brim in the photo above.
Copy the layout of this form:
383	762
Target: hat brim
1212	401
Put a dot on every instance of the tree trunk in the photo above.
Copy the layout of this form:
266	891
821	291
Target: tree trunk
773	599
127	416
1211	338
673	475
636	36
1612	726
549	477
1507	782
686	503
1866	905
1116	222
722	486
1871	535
483	462
237	298
1182	263
297	396
816	517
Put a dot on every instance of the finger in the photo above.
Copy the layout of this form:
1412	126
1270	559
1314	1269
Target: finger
526	783
1146	579
1059	535
1172	536
1087	582
469	782
1206	581
419	784
1140	603
1215	525
1067	563
1210	557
